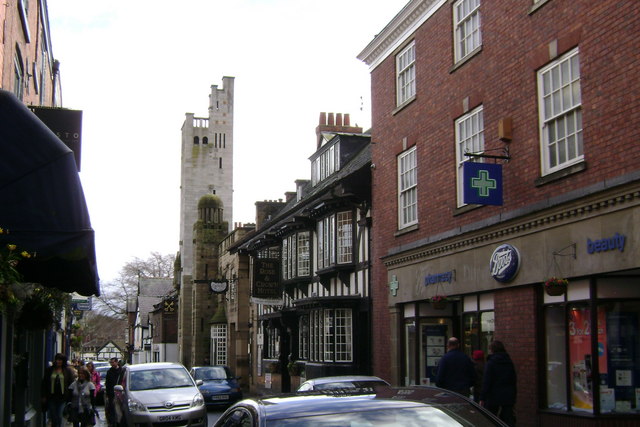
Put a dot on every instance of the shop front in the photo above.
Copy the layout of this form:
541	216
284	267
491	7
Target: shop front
575	342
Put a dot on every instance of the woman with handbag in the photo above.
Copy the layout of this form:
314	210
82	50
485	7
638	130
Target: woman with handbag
82	398
55	388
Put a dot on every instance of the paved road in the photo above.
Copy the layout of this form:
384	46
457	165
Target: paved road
212	417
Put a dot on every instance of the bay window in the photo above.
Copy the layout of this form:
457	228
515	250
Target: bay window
296	255
330	335
335	240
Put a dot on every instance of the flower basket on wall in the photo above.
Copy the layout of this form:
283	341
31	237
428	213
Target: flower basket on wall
439	302
295	369
273	367
555	286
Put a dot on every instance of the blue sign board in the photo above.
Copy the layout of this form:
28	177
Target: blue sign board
505	263
482	183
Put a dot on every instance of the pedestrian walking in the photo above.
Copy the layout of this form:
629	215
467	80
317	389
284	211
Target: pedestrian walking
455	370
94	376
83	400
54	389
499	384
478	364
111	380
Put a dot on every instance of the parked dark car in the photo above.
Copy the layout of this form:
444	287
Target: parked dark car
341	381
159	394
398	406
220	387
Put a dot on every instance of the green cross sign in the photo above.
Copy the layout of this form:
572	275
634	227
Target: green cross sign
483	183
393	285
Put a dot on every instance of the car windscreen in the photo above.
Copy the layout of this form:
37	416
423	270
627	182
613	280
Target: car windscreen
211	373
159	378
406	417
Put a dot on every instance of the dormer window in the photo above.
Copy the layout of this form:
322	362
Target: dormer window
325	164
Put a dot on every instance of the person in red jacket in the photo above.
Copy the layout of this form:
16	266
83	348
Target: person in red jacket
94	376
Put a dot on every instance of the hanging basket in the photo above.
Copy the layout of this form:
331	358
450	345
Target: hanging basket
439	305
555	290
555	286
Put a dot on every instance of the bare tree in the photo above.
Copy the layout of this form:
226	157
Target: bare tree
115	295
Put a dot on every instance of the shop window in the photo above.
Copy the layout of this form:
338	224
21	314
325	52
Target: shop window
478	331
581	381
331	335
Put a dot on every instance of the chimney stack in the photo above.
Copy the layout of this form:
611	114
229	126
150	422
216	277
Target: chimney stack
329	123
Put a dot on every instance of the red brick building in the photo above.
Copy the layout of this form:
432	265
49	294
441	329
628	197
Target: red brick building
533	106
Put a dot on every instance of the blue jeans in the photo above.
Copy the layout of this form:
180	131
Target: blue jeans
55	407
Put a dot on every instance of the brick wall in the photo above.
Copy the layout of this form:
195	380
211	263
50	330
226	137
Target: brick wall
515	320
502	78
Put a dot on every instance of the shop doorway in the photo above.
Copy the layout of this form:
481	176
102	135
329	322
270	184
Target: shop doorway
425	343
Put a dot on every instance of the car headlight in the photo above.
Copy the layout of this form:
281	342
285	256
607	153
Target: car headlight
136	405
198	400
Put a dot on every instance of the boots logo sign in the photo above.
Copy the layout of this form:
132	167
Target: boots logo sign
505	263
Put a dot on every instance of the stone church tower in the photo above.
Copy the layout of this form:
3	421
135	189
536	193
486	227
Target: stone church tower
206	169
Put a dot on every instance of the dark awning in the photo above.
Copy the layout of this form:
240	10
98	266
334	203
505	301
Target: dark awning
42	203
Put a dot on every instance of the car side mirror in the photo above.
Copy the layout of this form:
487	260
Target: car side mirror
118	388
199	382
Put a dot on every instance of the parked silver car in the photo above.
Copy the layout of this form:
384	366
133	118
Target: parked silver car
157	393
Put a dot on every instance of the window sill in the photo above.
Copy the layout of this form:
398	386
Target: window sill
538	6
466	59
406	230
466	208
297	280
403	105
563	173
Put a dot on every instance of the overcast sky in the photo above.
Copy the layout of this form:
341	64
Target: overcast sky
136	67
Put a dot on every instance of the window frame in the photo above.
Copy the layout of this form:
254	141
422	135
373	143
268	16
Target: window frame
331	332
459	27
406	74
573	114
405	200
18	70
325	164
477	145
296	259
332	248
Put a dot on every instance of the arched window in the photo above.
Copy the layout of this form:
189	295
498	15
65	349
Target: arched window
205	140
196	140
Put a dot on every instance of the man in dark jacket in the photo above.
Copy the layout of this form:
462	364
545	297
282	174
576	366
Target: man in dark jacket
499	384
455	370
112	379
